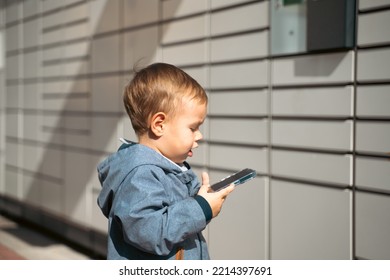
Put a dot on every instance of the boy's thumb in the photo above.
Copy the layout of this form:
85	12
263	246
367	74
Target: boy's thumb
205	179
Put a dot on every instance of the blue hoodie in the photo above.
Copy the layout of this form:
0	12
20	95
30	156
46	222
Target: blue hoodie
151	206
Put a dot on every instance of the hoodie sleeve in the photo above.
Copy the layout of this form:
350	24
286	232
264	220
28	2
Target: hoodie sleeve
151	218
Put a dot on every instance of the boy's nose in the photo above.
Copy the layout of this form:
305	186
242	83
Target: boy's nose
199	135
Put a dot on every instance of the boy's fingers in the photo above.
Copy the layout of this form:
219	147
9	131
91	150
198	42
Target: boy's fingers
204	188
205	179
226	191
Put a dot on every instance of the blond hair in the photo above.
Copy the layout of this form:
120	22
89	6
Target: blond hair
159	87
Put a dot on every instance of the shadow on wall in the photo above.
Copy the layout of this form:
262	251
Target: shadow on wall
304	66
77	130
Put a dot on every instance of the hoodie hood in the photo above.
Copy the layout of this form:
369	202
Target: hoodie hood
114	170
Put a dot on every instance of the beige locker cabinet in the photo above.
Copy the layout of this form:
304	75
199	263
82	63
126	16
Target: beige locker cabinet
373	173
239	231
248	103
313	69
373	101
372	226
239	75
237	158
378	21
313	102
323	168
321	134
247	131
374	65
373	137
309	222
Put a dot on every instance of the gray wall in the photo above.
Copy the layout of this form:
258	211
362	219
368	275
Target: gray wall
316	127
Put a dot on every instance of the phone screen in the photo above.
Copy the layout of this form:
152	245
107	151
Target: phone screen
236	178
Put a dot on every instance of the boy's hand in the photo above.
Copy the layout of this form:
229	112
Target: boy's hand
215	199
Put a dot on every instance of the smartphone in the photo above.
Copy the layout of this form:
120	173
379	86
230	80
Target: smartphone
236	178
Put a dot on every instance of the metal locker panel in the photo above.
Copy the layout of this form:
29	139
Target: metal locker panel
31	189
77	124
98	221
104	16
12	154
335	101
52	163
140	12
31	65
373	137
379	22
238	131
215	4
103	102
13	11
141	44
13	70
312	166
11	98
12	183
102	62
75	193
200	74
372	4
246	46
313	69
373	64
238	103
31	8
309	222
372	226
80	31
254	16
52	19
237	158
30	31
31	127
76	68
55	53
105	133
14	37
76	50
53	197
176	31
241	75
53	37
78	13
373	101
181	8
239	231
312	134
32	158
373	173
192	53
12	129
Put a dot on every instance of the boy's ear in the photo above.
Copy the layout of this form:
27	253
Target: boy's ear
157	123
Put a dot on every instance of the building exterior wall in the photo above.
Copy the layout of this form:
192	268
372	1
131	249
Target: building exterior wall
316	127
2	101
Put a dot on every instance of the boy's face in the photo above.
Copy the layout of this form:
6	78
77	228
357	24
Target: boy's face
181	132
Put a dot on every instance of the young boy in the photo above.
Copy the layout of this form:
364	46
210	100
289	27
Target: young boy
155	205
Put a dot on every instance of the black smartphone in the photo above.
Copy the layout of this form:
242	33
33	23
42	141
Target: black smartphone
236	178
